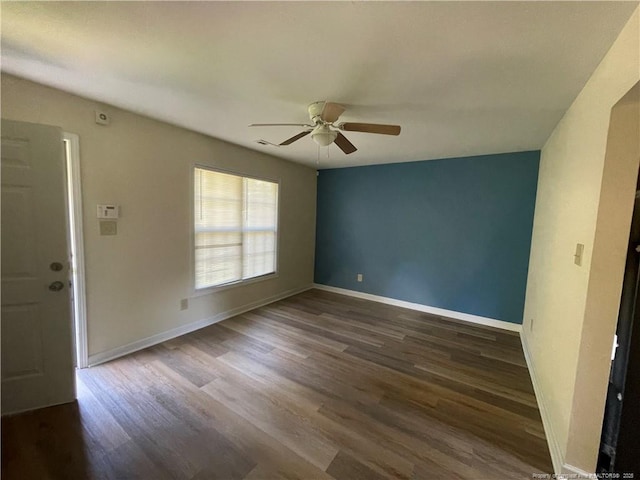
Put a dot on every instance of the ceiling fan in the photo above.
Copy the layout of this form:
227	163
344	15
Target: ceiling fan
324	130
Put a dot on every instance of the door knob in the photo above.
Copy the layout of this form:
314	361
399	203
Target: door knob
56	286
56	266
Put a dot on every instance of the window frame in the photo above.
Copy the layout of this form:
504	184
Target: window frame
197	292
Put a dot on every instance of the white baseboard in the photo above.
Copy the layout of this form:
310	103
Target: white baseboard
557	458
188	328
466	317
571	472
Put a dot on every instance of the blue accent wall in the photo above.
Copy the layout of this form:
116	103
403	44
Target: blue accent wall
452	233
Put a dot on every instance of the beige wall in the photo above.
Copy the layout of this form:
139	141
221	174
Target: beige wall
135	280
571	311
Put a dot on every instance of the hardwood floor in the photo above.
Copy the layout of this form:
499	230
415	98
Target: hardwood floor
316	386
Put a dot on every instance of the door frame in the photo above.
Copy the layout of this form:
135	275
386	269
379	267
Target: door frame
76	244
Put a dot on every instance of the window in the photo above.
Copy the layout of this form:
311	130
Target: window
235	220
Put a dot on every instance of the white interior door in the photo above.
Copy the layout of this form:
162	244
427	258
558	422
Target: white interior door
37	351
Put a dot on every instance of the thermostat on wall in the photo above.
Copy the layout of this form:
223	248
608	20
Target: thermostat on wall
108	211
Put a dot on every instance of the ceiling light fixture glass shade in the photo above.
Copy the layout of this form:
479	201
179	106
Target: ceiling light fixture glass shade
323	135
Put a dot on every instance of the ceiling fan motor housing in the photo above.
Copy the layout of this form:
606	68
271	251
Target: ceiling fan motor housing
315	111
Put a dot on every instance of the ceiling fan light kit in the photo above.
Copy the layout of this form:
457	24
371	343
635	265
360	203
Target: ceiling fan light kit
323	135
323	116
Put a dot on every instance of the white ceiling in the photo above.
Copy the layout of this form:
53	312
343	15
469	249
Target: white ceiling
461	78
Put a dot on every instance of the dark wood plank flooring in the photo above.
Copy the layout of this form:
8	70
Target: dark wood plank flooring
316	386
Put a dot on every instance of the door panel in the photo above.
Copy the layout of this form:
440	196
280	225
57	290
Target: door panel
37	355
22	338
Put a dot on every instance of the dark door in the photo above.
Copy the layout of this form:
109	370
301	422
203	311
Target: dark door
621	426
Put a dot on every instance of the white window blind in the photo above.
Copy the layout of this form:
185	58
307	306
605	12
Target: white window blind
235	227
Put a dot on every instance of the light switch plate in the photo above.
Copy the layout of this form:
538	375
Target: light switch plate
577	257
108	227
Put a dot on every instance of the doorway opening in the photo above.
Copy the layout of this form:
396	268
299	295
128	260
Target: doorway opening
622	403
618	441
76	247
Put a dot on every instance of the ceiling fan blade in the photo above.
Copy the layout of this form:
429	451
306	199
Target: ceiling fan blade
331	112
370	128
296	137
345	145
280	125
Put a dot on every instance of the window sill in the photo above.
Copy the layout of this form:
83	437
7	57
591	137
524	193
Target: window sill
241	283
